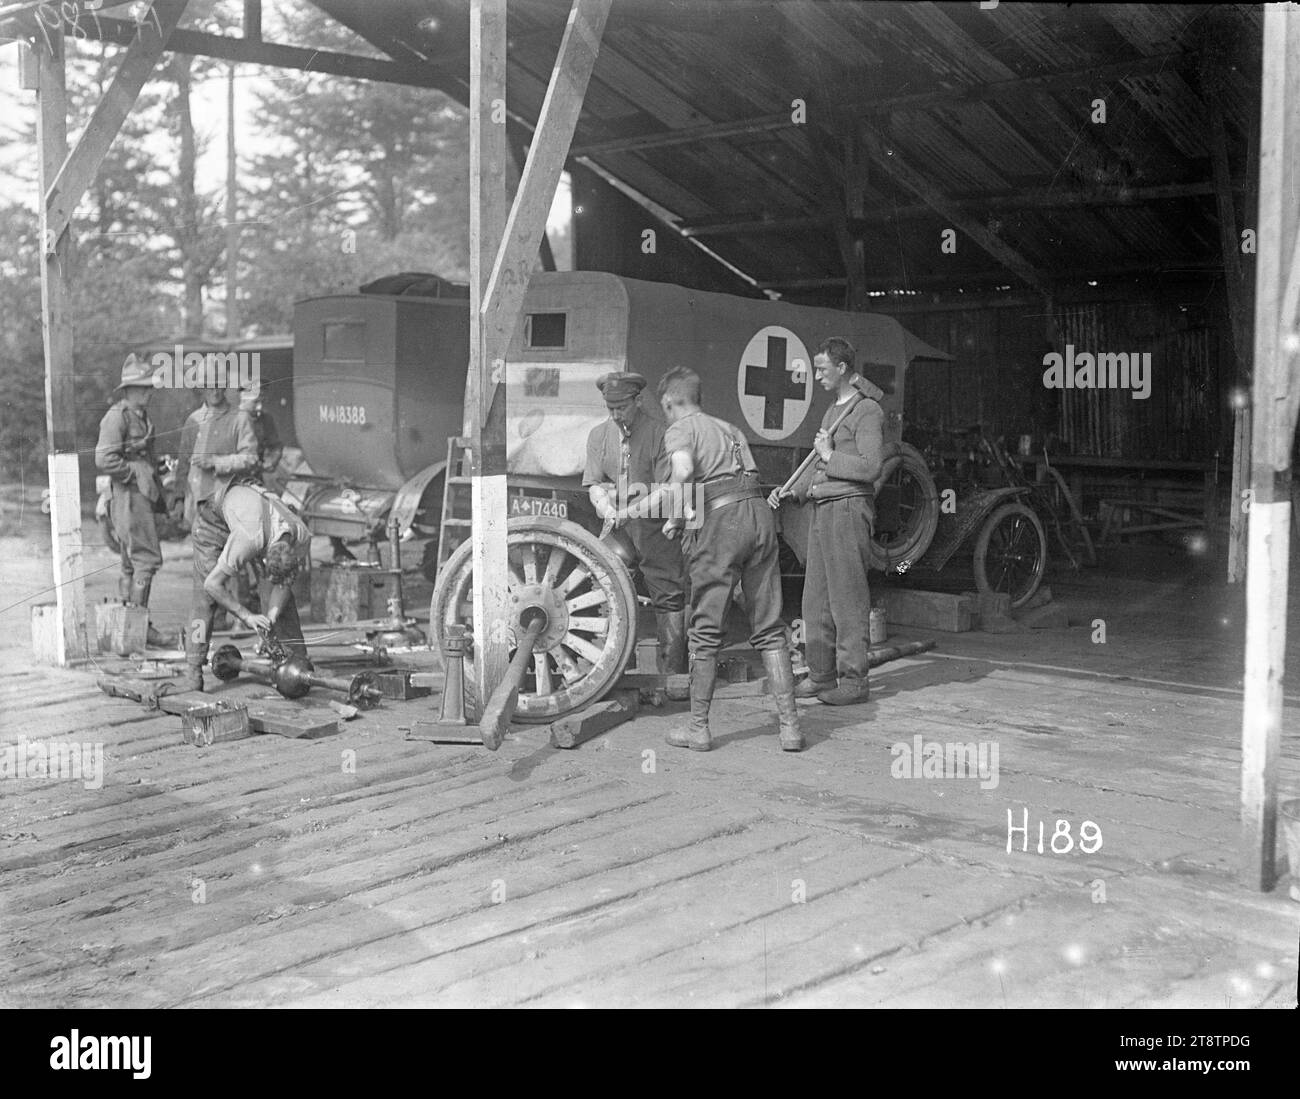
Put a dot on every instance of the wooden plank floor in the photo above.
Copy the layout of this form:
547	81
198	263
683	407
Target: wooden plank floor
268	872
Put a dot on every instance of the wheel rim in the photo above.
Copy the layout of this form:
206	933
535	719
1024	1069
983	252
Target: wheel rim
586	595
918	513
1013	558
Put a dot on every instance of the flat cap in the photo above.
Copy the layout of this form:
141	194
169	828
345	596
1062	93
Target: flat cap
619	385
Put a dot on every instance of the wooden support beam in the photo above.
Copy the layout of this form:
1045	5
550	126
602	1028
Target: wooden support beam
498	301
1041	199
71	635
1229	241
1153	268
688	135
834	202
1238	518
78	172
892	164
1276	397
1016	86
541	176
487	216
855	207
251	51
252	27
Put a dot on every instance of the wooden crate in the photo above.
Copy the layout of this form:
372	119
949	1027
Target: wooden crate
45	641
121	629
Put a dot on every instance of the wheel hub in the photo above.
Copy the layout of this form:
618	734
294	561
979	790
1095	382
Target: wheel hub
528	601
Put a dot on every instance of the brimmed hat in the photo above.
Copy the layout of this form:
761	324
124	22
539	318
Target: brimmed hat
135	372
620	386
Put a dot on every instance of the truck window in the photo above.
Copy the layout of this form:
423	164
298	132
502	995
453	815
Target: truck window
344	341
545	330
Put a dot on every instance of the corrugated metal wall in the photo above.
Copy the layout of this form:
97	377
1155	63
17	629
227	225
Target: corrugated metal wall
997	380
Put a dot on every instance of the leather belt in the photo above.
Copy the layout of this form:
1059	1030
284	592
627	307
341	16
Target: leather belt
732	498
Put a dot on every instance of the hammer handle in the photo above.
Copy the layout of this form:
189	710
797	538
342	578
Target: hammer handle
811	456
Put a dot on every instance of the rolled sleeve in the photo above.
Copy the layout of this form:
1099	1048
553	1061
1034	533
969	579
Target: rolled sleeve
593	473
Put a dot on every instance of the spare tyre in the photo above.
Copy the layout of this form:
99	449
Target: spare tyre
907	511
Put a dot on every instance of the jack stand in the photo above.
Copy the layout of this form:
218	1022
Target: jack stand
397	631
453	688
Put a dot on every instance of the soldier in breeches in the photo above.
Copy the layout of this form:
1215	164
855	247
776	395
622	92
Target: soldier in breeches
125	451
734	542
836	596
625	460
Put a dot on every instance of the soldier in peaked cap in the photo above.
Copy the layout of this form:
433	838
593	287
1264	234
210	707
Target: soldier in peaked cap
625	460
125	452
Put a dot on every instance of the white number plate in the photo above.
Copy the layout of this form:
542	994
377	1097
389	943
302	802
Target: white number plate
532	505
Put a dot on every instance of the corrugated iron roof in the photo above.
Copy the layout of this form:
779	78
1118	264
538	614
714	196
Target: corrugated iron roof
667	66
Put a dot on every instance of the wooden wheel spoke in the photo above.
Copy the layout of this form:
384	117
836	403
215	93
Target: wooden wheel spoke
568	669
577	576
542	673
529	555
588	624
591	599
583	648
553	564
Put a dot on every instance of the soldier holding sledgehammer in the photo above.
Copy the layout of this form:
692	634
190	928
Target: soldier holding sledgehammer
836	597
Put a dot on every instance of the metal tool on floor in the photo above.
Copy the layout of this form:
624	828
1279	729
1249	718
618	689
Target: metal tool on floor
396	631
294	676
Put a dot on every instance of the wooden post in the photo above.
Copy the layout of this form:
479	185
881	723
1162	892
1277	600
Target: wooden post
63	179
1229	242
232	214
1238	518
1276	399
60	382
496	310
855	203
487	216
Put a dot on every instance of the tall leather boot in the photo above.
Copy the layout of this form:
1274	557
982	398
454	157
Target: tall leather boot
672	649
124	584
704	671
140	587
780	680
196	654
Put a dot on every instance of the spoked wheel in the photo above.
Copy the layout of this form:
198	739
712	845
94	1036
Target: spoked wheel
917	499
1072	529
1011	553
586	595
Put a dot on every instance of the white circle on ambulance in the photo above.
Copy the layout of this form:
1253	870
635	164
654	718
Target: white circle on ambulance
774	382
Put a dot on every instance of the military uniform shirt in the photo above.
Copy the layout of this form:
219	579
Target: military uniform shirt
717	447
639	459
256	521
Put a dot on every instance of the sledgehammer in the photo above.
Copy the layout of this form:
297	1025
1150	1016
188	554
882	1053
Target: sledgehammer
866	388
500	707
